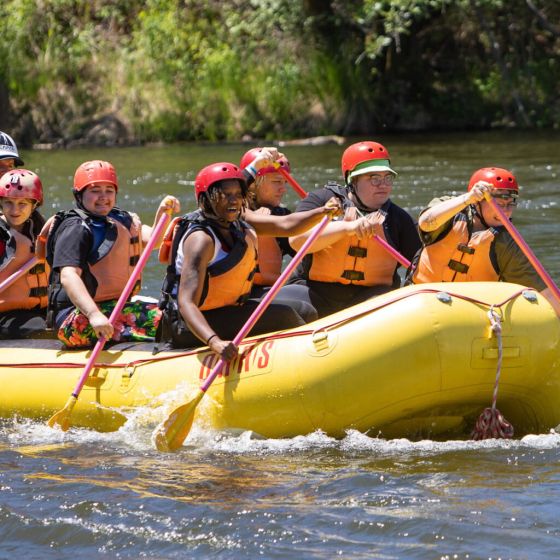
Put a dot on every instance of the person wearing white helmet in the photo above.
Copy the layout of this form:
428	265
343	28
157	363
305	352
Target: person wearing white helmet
23	303
9	156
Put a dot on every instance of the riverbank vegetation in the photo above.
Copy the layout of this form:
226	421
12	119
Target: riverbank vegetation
125	71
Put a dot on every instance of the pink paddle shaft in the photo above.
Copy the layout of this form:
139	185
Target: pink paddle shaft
14	276
391	250
265	302
302	194
122	299
547	279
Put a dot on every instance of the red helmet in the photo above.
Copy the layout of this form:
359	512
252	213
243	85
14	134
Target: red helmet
253	153
94	173
365	157
217	172
499	178
21	183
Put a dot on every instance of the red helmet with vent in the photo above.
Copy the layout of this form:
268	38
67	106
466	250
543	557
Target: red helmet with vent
21	183
217	172
95	172
250	156
499	179
365	157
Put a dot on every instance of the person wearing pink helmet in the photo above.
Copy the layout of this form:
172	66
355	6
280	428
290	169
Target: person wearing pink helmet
92	250
265	197
212	255
9	156
464	241
346	265
23	303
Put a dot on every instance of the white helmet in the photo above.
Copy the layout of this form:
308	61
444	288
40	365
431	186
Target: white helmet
8	148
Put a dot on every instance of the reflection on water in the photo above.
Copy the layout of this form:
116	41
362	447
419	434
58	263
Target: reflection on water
83	494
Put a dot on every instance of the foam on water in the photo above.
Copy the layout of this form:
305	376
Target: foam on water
136	436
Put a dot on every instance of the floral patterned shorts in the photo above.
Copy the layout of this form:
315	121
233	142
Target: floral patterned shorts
138	321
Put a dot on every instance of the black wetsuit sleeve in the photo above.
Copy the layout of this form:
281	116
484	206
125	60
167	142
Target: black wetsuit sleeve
72	245
405	233
314	199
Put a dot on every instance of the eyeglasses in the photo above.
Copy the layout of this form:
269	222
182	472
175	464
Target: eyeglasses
377	180
505	200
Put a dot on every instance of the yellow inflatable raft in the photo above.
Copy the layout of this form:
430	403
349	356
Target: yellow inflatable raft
417	362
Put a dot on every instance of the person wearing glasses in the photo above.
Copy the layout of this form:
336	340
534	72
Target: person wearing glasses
346	265
9	156
464	240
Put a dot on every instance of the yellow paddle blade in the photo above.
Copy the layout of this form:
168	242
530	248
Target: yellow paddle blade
62	417
171	433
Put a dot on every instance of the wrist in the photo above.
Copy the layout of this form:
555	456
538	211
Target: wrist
210	338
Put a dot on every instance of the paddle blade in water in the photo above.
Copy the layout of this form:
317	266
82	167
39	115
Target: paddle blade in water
169	435
62	417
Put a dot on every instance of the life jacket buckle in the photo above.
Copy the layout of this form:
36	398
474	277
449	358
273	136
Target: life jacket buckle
360	252
353	275
466	249
457	266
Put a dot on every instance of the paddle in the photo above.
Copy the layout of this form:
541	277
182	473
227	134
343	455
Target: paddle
171	433
62	417
293	183
302	194
18	273
512	230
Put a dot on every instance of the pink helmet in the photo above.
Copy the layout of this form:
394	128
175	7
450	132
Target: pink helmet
251	154
215	172
21	183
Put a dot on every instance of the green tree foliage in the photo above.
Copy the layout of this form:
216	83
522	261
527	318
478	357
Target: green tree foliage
190	69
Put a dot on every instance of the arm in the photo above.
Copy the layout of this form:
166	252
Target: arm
71	280
168	204
436	216
292	224
198	249
335	231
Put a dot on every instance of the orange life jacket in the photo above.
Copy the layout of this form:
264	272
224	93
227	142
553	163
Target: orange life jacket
269	266
29	290
460	256
112	264
353	261
229	280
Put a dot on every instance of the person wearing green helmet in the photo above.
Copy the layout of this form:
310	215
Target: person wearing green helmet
347	265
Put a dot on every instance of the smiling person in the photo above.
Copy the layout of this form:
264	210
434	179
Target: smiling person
9	156
346	265
464	240
22	304
92	250
265	197
212	258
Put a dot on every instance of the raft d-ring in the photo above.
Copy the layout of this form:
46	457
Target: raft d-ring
530	295
320	339
444	297
128	372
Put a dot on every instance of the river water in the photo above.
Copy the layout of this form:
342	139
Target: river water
84	494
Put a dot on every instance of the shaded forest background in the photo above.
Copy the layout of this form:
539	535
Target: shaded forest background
127	71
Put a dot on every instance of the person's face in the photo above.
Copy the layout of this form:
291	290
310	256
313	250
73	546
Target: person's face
228	203
506	204
7	164
271	190
374	189
17	210
99	199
